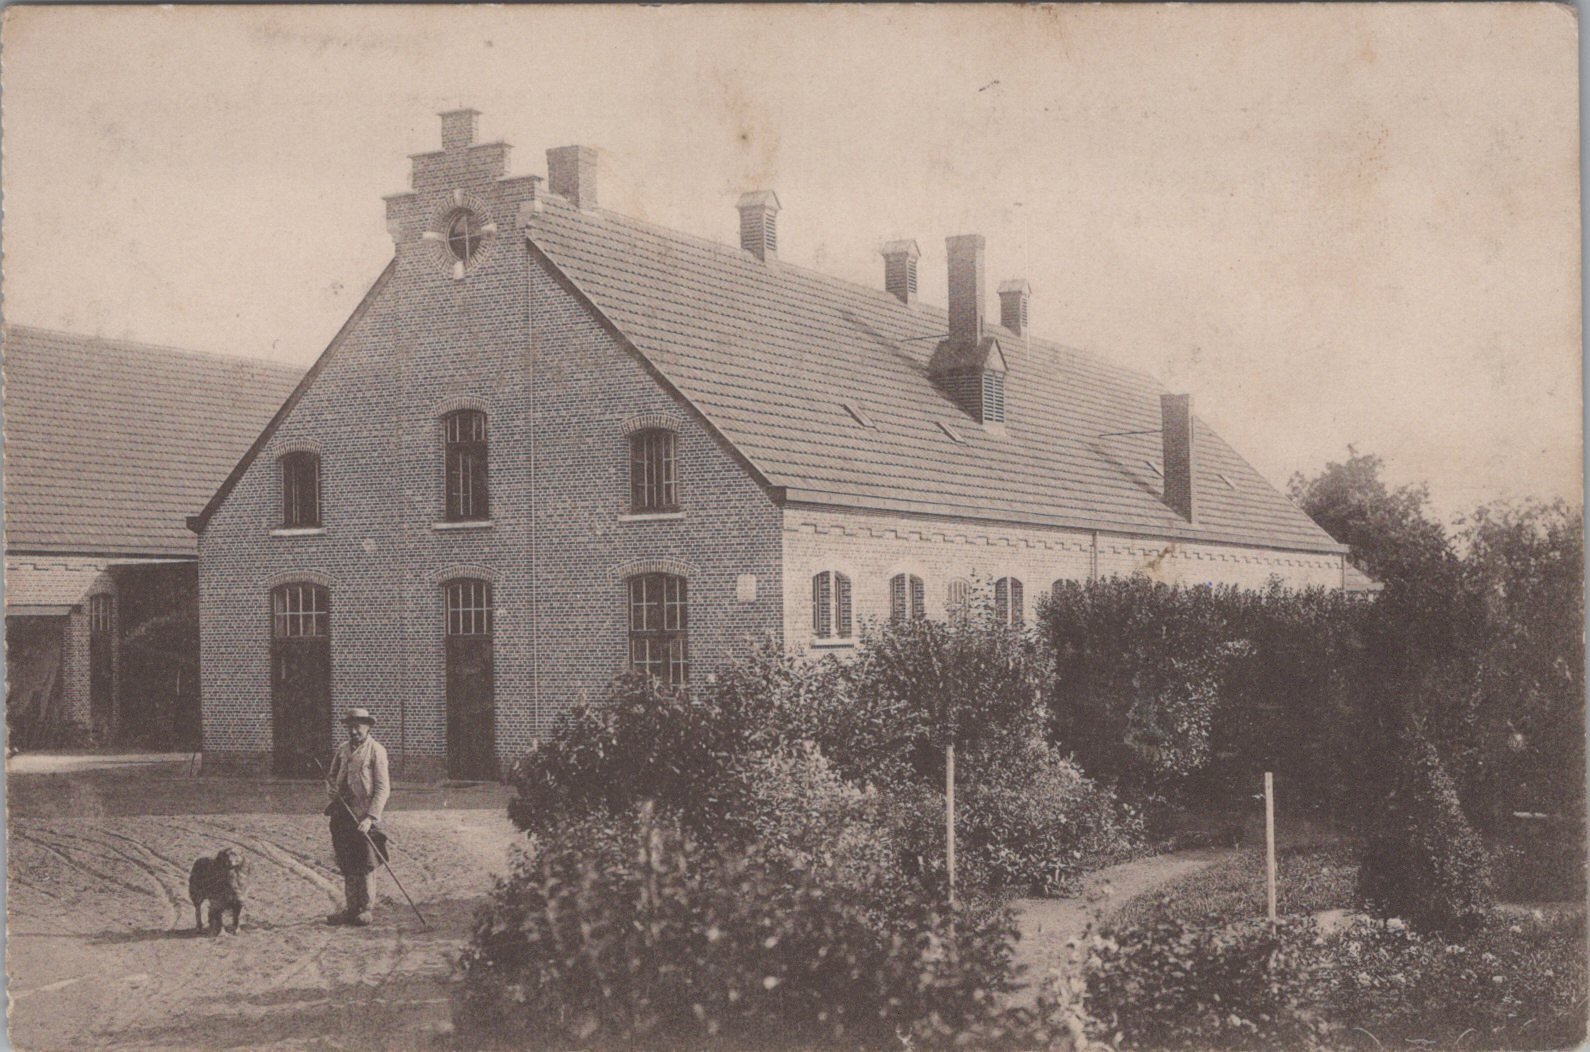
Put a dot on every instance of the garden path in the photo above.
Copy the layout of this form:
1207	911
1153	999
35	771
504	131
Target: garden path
1048	924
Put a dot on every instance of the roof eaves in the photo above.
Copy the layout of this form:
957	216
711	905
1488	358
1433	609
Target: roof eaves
197	523
831	498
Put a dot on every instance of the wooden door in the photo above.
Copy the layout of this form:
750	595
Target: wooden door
300	680
471	704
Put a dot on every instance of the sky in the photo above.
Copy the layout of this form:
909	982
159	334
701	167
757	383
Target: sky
1332	224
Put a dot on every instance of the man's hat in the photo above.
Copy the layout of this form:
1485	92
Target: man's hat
359	715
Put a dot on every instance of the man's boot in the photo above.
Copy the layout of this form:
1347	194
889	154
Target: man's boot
359	915
349	899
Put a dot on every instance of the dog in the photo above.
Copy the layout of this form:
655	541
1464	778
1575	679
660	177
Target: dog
218	881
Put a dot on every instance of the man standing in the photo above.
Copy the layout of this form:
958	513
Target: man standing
358	787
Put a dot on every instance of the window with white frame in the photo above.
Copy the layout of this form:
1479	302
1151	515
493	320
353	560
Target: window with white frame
653	471
658	626
464	438
831	613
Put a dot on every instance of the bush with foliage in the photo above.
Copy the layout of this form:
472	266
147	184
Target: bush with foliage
837	765
622	934
1164	984
1517	982
1421	860
681	749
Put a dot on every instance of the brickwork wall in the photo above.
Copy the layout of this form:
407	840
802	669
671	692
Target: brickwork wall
871	547
557	390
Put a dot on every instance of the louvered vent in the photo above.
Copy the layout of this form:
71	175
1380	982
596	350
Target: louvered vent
993	398
759	223
899	270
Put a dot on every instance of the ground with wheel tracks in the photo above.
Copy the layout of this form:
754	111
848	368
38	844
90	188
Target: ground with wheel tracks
101	950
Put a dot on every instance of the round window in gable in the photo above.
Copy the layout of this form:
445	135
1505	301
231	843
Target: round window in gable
464	236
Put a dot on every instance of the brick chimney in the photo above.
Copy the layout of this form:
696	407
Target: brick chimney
1177	433
1013	297
966	287
759	223
571	174
899	270
459	128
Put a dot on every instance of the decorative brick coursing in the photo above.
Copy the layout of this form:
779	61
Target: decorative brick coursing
871	547
558	387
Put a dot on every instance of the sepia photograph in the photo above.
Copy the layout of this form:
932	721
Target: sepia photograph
826	528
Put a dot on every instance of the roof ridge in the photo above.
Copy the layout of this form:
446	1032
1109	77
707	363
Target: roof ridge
83	339
732	253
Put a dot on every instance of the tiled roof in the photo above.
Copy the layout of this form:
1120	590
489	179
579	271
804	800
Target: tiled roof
769	352
109	445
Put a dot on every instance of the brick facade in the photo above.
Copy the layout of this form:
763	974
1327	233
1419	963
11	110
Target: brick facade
871	547
510	334
559	389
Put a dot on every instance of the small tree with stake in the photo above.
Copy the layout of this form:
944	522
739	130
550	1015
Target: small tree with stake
967	684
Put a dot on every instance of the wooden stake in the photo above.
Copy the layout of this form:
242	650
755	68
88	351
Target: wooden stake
1269	839
949	815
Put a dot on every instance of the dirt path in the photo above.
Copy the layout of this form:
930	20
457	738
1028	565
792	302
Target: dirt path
101	952
1048	924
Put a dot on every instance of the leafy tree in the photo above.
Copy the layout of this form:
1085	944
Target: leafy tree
1390	532
1420	859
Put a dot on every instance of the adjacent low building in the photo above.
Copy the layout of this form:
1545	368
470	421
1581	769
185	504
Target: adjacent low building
109	446
555	442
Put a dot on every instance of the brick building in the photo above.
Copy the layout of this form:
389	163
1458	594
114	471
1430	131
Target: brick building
108	446
554	442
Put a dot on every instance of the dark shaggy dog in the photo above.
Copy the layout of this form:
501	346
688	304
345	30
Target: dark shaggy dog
218	881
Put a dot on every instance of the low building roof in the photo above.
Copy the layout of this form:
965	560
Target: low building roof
110	445
769	353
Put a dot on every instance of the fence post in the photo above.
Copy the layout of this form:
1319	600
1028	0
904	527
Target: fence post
1269	839
949	816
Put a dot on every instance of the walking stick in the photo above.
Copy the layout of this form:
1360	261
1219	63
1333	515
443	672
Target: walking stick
382	855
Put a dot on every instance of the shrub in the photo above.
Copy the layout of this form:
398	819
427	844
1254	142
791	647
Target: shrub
1421	860
1516	982
680	749
1168	985
1034	823
666	945
1309	879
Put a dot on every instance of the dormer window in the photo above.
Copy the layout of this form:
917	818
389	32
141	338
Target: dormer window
653	471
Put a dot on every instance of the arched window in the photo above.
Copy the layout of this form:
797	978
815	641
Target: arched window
958	601
658	624
300	490
464	435
653	471
831	616
906	597
100	609
1008	602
